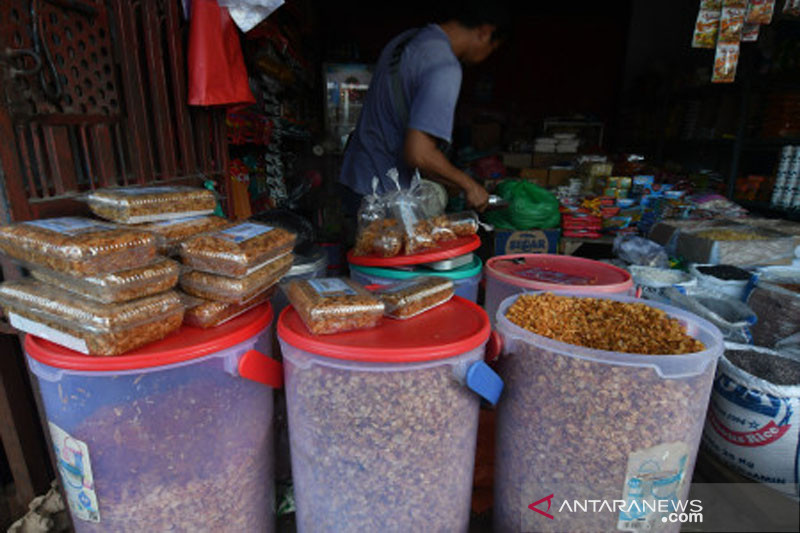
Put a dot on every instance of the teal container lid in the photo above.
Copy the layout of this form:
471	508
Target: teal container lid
466	271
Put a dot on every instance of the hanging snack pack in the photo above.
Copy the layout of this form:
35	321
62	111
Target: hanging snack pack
725	61
731	21
792	7
122	286
750	32
237	251
706	27
171	233
77	246
87	326
134	205
202	313
760	11
412	297
236	290
333	305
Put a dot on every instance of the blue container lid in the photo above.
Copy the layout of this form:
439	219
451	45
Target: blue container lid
466	271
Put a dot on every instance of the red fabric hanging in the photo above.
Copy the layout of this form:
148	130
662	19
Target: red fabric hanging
217	75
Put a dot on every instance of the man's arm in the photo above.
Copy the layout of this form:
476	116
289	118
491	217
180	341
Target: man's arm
420	151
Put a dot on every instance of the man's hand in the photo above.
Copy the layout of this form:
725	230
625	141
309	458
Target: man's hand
477	197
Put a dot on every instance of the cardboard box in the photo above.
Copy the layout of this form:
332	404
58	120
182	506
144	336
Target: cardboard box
535	175
559	176
546	160
517	159
533	241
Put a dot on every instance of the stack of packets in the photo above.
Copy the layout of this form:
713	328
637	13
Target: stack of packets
336	305
724	24
101	288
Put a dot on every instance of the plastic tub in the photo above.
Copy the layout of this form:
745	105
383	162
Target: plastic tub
466	278
512	274
169	437
382	428
588	424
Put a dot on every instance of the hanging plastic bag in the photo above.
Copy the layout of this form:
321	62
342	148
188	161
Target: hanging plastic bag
529	206
217	75
376	234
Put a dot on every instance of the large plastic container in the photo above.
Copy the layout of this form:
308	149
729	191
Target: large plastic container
381	425
466	278
176	436
512	274
587	424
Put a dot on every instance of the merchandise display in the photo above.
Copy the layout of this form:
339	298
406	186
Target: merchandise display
135	205
122	286
87	326
333	305
236	251
407	299
588	431
236	290
172	232
77	246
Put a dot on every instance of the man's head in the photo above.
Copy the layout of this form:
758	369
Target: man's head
486	23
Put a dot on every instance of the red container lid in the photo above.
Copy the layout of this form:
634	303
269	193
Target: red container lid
449	330
555	272
185	344
446	250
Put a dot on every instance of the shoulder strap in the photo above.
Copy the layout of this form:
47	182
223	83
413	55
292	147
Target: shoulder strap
396	79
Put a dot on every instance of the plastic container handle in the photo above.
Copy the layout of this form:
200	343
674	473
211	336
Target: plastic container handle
494	347
484	381
260	368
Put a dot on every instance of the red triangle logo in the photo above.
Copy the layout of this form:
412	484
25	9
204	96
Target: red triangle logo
547	499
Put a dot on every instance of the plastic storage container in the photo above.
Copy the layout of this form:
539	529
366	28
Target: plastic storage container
134	205
236	251
88	326
466	279
159	276
512	274
77	246
382	428
597	425
168	438
236	290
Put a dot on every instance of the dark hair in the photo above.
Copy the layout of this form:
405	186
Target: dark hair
473	13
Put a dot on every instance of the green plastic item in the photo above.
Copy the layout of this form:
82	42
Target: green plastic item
209	184
529	206
466	271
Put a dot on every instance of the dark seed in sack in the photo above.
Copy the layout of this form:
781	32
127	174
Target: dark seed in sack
725	272
776	370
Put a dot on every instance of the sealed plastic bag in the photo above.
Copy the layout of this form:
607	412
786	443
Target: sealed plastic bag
217	74
529	206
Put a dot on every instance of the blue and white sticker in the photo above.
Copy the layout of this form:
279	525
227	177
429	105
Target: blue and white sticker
244	232
141	191
399	286
75	468
327	286
68	225
176	221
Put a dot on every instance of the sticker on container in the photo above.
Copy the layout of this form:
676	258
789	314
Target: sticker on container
328	286
176	221
552	276
46	332
244	232
654	475
399	287
75	468
68	225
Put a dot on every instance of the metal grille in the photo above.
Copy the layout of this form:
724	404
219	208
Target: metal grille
93	94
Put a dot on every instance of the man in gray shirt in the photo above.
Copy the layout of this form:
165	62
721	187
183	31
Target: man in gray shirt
411	102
